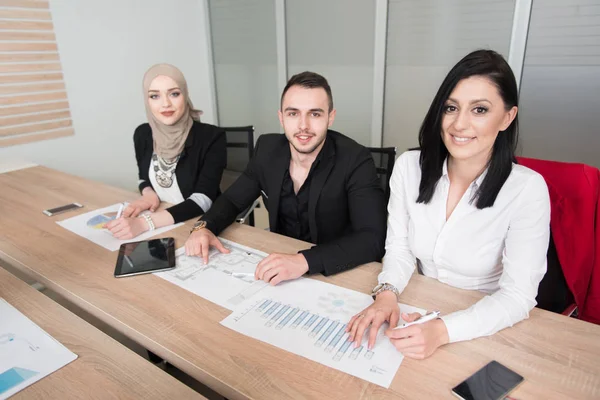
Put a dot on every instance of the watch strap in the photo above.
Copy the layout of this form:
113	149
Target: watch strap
382	287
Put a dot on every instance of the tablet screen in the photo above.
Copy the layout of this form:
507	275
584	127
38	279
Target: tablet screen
145	257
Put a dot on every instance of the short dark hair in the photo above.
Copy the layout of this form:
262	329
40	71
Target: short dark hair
491	65
309	80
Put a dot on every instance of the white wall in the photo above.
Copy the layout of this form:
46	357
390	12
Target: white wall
559	99
105	47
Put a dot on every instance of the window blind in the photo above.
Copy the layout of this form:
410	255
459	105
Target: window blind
33	98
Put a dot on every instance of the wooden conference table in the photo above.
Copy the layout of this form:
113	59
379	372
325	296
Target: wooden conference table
558	356
104	368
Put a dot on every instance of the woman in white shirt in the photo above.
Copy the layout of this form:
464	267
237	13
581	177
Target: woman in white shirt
463	210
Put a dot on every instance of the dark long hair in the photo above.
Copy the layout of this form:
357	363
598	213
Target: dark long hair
493	66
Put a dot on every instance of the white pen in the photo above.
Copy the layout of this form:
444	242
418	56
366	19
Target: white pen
121	207
241	274
425	318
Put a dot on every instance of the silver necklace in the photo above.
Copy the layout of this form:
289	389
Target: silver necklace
164	170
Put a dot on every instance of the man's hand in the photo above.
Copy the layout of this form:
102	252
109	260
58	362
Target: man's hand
199	242
281	267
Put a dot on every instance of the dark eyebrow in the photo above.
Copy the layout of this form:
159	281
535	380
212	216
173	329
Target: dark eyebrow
472	101
311	110
168	90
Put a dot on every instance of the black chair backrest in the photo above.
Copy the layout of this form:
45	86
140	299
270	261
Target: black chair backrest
240	150
240	146
384	158
553	293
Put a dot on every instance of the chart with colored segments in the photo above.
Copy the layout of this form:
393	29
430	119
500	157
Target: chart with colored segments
309	318
227	279
91	226
27	353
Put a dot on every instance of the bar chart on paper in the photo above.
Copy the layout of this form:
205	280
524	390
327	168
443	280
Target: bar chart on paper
309	318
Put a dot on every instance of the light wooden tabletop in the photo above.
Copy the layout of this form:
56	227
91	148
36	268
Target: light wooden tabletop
104	369
558	356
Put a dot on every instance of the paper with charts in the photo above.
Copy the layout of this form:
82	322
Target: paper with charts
308	317
227	279
27	353
91	226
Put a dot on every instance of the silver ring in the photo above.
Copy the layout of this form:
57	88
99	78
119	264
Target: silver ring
360	316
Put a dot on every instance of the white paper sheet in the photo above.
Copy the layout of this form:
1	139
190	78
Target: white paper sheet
27	353
217	282
308	318
89	226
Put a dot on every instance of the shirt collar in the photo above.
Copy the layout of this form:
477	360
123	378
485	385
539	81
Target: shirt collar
476	183
481	177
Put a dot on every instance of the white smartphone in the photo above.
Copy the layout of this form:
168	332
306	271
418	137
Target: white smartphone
53	211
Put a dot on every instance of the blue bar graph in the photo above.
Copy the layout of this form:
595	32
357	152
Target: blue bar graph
319	326
287	318
299	320
327	333
275	317
330	334
336	339
264	304
356	352
340	353
271	309
311	321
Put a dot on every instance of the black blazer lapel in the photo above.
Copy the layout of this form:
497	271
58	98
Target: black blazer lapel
274	178
316	185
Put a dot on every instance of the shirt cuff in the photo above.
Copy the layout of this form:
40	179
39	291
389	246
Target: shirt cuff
185	210
315	265
395	278
459	326
203	201
142	184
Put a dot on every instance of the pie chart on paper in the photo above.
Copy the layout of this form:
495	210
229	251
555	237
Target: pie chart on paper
98	221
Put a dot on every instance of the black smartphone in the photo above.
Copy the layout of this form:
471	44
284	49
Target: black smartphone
53	211
492	382
145	257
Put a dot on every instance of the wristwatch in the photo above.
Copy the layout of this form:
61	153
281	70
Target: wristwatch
383	287
200	224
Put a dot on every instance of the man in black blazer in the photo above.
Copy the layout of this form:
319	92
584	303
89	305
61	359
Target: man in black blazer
317	184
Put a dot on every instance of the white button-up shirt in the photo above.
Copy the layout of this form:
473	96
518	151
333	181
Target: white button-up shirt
500	250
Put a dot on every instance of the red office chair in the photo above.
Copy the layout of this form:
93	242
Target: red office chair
574	192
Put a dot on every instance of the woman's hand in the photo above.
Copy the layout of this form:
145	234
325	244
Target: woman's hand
148	201
127	228
418	341
385	308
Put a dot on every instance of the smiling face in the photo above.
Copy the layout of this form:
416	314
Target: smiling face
474	115
166	100
305	118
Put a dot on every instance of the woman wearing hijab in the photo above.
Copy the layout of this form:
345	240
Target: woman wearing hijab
180	159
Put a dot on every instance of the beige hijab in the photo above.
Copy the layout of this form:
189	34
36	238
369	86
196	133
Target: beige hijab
170	139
